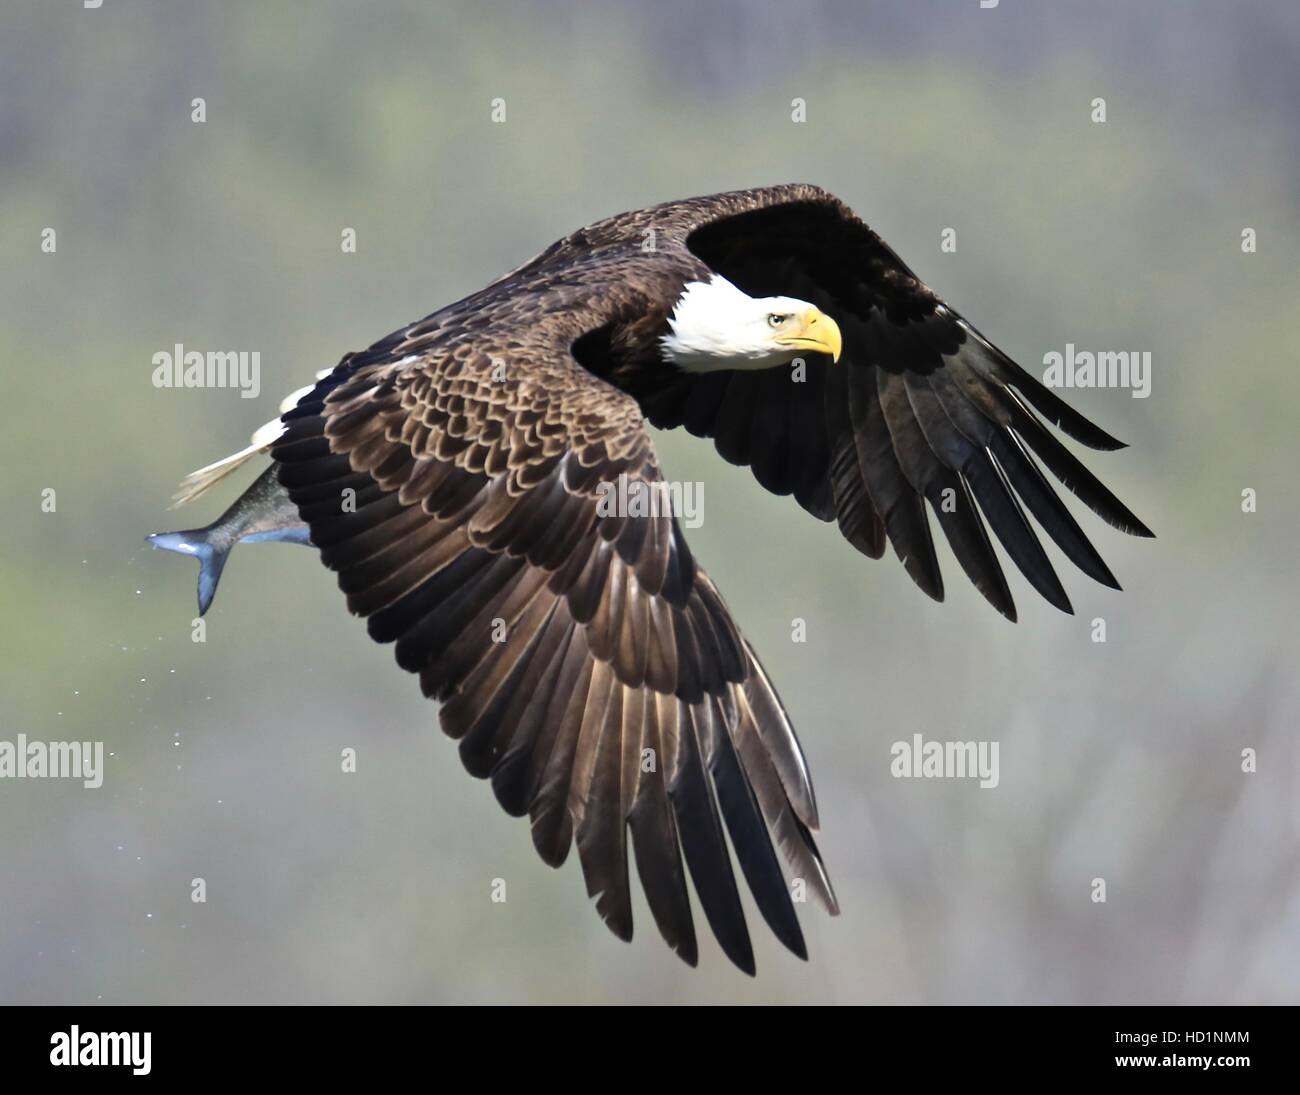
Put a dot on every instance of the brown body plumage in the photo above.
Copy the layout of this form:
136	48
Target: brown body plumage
451	473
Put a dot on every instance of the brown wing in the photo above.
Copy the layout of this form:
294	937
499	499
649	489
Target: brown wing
921	407
453	478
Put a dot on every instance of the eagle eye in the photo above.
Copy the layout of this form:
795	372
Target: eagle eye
775	319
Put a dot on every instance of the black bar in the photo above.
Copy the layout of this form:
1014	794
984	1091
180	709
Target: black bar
1244	1045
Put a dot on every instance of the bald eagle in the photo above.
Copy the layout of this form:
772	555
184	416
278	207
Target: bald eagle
452	476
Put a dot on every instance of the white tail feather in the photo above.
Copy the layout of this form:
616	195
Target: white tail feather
198	481
291	400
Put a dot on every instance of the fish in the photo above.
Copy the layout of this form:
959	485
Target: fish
264	513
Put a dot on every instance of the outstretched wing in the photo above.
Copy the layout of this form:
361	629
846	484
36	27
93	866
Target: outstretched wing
454	479
921	407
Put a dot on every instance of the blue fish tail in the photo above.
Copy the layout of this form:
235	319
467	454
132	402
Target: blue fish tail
210	549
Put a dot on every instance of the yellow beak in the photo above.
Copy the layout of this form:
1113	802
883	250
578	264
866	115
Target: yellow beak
817	331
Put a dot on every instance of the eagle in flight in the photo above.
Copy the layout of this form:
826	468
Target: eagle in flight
453	476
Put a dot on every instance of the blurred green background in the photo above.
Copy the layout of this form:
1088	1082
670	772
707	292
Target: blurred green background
1119	761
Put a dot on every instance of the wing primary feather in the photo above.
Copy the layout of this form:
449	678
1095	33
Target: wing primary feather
549	808
1066	467
601	831
947	494
655	840
1011	527
892	496
1050	405
1047	507
512	774
705	847
980	423
749	834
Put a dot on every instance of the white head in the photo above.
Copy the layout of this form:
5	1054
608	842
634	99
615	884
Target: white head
716	326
